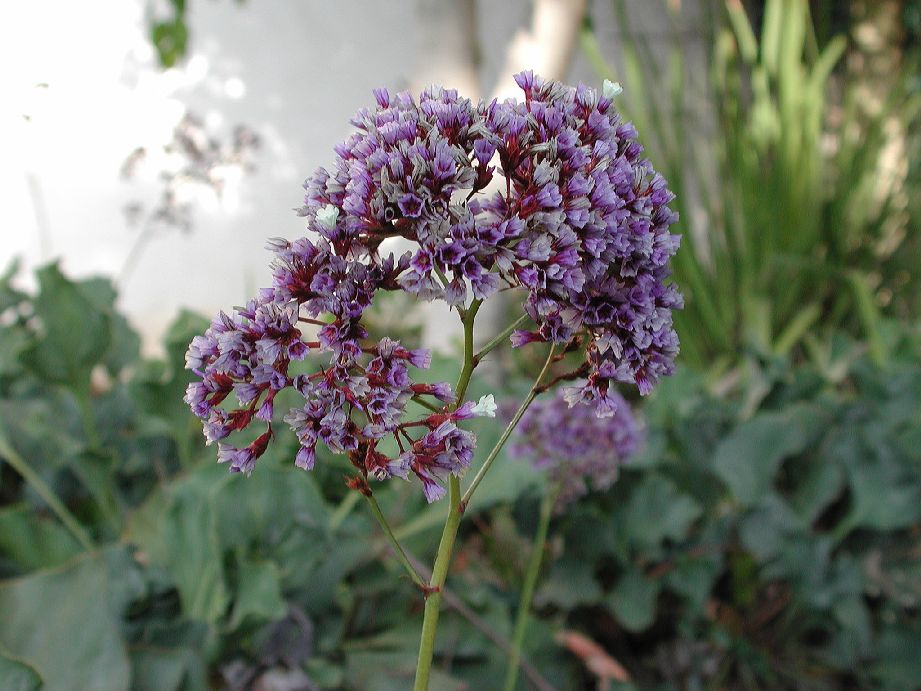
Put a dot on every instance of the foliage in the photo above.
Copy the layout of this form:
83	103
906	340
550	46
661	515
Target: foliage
796	228
765	536
114	517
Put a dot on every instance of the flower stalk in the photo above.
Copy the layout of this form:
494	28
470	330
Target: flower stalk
449	533
527	591
397	548
494	453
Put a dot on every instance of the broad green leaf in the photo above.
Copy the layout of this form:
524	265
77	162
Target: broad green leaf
657	511
764	530
885	490
13	341
748	459
177	529
633	600
75	333
59	622
125	346
33	541
258	593
694	578
897	665
166	669
16	675
570	582
258	510
9	296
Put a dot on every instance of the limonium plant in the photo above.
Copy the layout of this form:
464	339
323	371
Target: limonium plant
548	195
578	451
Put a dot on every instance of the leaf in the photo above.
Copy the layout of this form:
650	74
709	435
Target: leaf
75	333
166	669
570	583
59	622
16	675
32	541
249	509
694	578
177	529
158	387
258	593
657	511
125	346
885	494
633	600
764	530
9	296
748	459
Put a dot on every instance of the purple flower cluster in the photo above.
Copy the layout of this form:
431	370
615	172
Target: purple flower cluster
550	194
577	449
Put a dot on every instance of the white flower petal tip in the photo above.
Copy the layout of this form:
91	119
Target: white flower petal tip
485	407
327	216
611	89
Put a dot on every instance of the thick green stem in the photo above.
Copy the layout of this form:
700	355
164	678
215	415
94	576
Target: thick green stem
397	548
532	394
446	545
527	591
460	389
439	575
19	464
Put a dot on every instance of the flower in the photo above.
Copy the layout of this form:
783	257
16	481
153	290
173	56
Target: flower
577	449
580	222
611	89
485	407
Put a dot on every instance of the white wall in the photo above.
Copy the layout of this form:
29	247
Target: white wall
293	70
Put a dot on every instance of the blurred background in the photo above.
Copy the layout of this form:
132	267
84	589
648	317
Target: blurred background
768	535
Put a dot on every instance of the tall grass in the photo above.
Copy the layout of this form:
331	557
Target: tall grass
793	224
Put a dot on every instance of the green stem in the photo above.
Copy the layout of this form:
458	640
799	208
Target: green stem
460	389
20	465
452	522
500	338
397	548
439	575
527	592
532	394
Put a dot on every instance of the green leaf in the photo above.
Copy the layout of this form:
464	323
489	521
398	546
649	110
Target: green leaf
170	38
177	529
75	333
166	669
59	622
258	593
158	387
657	511
32	541
694	577
249	508
748	459
633	600
571	582
125	346
9	296
13	341
16	675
